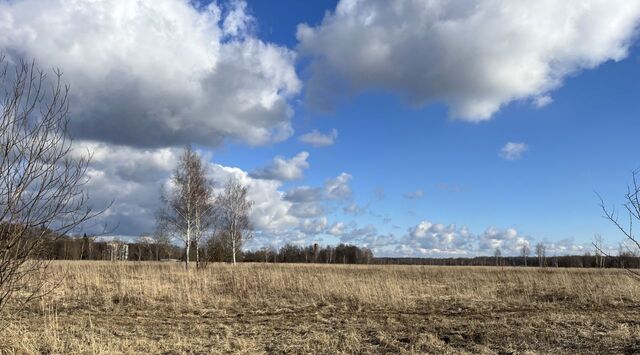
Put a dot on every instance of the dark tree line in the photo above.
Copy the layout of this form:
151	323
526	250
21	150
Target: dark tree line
339	254
215	250
91	248
625	260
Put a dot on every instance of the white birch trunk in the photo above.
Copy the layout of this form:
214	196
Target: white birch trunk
233	246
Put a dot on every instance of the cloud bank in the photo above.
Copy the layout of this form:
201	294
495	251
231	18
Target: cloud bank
158	73
473	56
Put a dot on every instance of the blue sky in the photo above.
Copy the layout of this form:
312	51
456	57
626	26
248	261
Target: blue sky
579	144
423	99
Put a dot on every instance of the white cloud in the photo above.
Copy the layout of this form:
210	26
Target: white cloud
318	139
542	101
283	169
337	229
474	56
158	72
334	189
427	238
270	211
131	178
237	22
313	226
362	236
412	195
509	241
569	246
307	209
513	151
338	187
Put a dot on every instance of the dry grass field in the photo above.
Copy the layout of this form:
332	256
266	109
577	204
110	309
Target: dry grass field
132	307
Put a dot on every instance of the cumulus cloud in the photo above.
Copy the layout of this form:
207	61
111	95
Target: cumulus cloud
283	169
270	211
130	178
366	236
334	189
427	238
412	195
509	241
475	57
513	151
337	229
307	209
154	73
318	139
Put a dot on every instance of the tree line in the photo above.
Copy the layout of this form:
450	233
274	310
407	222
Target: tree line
624	260
147	248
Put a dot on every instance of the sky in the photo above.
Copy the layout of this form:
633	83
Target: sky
414	128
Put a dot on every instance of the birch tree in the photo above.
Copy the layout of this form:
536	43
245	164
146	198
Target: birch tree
525	253
600	256
234	208
541	251
161	239
188	203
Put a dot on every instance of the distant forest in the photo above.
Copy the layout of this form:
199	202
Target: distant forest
90	248
578	261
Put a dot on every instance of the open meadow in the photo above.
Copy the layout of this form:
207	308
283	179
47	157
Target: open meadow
128	307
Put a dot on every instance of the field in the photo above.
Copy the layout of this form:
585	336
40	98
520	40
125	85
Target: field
130	307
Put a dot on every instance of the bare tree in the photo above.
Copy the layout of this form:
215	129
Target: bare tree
632	208
525	252
541	253
188	203
497	253
41	181
161	239
599	248
234	208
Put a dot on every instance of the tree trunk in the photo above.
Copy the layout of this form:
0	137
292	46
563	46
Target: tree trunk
186	256
233	247
197	254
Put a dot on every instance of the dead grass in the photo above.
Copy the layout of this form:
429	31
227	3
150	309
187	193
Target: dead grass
132	307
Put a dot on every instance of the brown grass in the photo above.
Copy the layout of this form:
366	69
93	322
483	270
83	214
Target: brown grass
131	307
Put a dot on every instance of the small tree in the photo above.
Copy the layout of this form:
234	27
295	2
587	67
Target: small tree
599	250
234	208
525	252
41	182
541	251
161	240
497	253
